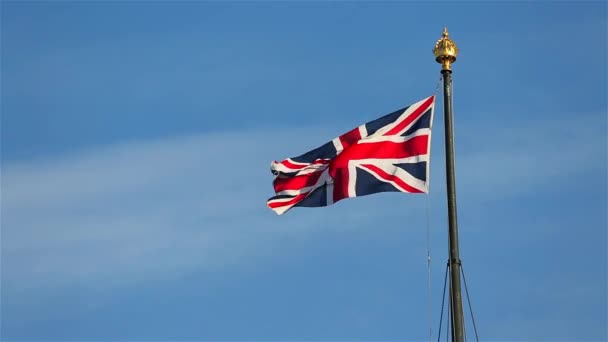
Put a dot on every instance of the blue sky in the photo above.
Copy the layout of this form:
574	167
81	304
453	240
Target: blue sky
137	138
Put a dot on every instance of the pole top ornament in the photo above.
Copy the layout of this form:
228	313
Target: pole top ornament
445	51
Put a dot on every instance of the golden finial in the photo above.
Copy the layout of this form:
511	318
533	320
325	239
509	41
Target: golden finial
445	50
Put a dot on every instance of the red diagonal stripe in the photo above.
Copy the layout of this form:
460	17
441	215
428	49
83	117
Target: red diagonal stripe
290	165
297	182
385	176
294	200
410	118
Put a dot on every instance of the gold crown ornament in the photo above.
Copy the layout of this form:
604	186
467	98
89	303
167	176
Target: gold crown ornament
445	51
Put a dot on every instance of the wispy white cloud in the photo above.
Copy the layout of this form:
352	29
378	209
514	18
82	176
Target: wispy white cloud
519	156
144	209
141	210
132	209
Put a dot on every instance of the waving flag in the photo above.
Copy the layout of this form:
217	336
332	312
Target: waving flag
388	154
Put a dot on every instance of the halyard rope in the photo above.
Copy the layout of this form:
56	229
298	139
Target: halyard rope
445	281
470	307
428	242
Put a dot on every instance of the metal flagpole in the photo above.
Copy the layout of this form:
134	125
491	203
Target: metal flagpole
445	52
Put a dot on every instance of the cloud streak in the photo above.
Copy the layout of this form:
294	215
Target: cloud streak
144	208
117	216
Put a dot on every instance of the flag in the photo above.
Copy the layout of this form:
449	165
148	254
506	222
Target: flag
388	154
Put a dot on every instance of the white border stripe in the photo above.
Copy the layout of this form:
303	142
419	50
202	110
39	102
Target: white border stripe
338	145
363	131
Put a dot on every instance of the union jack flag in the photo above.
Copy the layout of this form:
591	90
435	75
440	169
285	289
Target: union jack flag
388	154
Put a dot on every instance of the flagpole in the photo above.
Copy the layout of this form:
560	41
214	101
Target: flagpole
445	52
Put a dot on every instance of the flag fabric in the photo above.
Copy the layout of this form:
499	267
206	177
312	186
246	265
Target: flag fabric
388	154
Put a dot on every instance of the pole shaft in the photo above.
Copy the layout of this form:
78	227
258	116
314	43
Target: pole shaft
456	297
